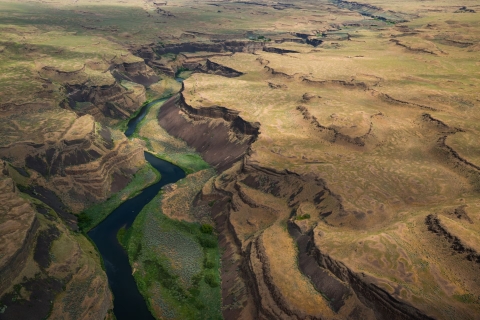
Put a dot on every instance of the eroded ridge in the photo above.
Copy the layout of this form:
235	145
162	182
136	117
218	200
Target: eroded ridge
434	225
220	135
81	161
42	261
335	129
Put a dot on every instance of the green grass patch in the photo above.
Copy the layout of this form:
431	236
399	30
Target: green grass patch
96	213
466	298
303	217
185	158
177	264
189	162
122	236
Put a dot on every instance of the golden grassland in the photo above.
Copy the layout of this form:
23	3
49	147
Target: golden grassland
293	285
384	112
367	116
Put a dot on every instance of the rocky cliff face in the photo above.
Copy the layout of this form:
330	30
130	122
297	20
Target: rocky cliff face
108	90
43	264
106	102
152	55
18	226
137	72
81	166
218	134
215	68
251	204
220	46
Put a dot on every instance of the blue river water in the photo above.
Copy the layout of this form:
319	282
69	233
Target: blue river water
128	303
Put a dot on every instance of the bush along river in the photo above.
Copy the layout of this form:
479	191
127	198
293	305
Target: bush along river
128	302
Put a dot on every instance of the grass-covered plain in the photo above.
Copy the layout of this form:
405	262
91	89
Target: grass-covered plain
175	264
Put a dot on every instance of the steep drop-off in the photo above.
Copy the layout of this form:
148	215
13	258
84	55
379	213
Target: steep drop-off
45	270
218	134
83	165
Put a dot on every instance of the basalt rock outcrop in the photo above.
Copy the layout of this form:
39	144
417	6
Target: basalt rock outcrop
152	54
368	10
310	39
218	69
106	101
220	135
137	72
107	89
43	266
217	46
278	50
82	166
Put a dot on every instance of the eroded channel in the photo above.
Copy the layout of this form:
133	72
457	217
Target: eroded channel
128	302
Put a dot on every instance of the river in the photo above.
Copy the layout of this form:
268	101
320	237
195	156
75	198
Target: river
129	303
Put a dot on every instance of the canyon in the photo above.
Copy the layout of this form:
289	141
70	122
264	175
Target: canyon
330	151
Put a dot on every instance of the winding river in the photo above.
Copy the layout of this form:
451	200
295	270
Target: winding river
128	302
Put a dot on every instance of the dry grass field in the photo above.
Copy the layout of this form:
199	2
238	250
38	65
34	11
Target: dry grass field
344	136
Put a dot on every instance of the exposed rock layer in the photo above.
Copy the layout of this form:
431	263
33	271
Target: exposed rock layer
18	226
81	166
220	135
330	277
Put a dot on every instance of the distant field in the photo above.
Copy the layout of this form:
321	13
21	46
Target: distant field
356	192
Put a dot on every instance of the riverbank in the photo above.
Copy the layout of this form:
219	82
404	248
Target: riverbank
191	284
176	263
128	303
165	146
98	212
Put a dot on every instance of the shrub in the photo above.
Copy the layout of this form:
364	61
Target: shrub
208	264
303	216
207	242
196	279
210	280
84	221
206	228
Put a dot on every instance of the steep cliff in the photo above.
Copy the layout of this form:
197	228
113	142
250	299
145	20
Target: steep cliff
217	133
18	226
82	164
43	266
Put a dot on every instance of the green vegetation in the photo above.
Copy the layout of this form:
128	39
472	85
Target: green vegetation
206	228
182	69
122	124
162	145
122	236
175	264
96	213
169	56
189	162
303	216
259	38
185	74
